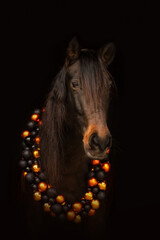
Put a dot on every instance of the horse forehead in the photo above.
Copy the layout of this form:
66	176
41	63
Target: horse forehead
74	69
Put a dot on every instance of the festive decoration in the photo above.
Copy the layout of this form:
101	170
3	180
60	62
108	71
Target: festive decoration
53	202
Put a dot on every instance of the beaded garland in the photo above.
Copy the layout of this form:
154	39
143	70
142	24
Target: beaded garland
45	193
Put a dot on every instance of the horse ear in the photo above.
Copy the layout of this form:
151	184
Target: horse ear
72	51
107	53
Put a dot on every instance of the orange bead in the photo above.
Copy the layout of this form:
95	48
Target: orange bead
42	186
102	186
108	150
60	199
91	212
95	204
106	166
35	168
25	134
35	117
37	140
24	174
95	162
36	154
37	196
88	195
78	219
71	215
77	207
92	182
46	207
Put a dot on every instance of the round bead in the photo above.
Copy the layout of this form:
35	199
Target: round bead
101	195
22	163
42	176
42	186
62	217
37	140
44	198
35	168
95	189
108	150
46	207
51	192
91	212
60	199
29	177
26	154
87	207
106	166
56	208
36	154
28	141
88	195
92	182
37	196
100	175
91	174
34	117
31	125
95	204
95	162
77	219
77	207
25	134
37	111
102	186
71	215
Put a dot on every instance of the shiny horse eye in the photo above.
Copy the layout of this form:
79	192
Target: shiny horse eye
74	84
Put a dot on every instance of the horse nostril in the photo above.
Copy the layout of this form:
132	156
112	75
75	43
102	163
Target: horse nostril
93	140
101	143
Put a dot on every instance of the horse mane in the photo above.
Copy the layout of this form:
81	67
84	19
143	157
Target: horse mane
52	127
53	118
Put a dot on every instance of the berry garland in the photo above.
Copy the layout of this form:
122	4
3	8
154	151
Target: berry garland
51	201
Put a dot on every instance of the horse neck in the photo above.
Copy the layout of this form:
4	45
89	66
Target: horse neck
74	167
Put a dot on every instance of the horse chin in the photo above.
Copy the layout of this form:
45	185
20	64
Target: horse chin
96	156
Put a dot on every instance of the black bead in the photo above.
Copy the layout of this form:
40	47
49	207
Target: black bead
30	163
89	189
27	169
95	189
44	198
84	214
51	201
87	207
29	141
91	174
22	163
51	192
31	125
83	202
69	205
37	111
97	168
100	175
56	208
26	154
29	177
65	208
100	195
42	176
34	133
37	180
34	187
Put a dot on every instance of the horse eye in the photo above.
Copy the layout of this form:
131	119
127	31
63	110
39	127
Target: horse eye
74	84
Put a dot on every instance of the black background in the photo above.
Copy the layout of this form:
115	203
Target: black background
36	38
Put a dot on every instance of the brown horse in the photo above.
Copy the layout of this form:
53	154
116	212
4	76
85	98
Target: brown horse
74	128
